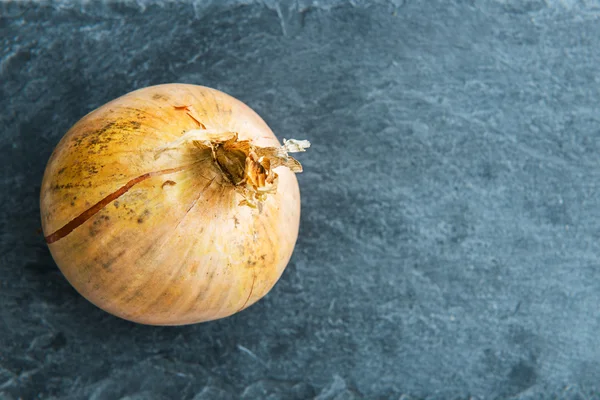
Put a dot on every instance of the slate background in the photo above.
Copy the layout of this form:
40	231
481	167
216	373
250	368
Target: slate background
449	241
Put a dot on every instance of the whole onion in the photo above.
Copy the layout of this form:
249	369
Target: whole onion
173	204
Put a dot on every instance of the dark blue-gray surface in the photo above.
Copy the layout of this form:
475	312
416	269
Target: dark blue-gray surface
451	207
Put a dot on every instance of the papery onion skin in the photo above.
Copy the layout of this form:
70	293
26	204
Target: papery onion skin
176	247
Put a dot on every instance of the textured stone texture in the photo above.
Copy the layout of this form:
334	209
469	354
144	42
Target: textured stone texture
449	243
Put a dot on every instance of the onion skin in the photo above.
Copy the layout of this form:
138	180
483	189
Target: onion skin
172	245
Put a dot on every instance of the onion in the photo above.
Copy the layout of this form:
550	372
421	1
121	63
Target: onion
173	204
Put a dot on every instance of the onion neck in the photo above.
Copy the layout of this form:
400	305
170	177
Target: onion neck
232	163
248	167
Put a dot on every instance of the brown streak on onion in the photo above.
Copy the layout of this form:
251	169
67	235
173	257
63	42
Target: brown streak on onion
200	124
188	112
251	290
90	212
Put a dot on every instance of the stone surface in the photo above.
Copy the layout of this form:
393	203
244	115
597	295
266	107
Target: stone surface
451	208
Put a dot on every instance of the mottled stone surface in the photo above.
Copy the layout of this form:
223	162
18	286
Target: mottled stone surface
449	243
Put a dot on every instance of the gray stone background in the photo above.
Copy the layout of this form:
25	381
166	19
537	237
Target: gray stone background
449	242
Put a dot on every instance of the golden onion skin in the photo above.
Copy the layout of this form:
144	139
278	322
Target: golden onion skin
173	247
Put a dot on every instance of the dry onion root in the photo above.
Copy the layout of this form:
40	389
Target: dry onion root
171	205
